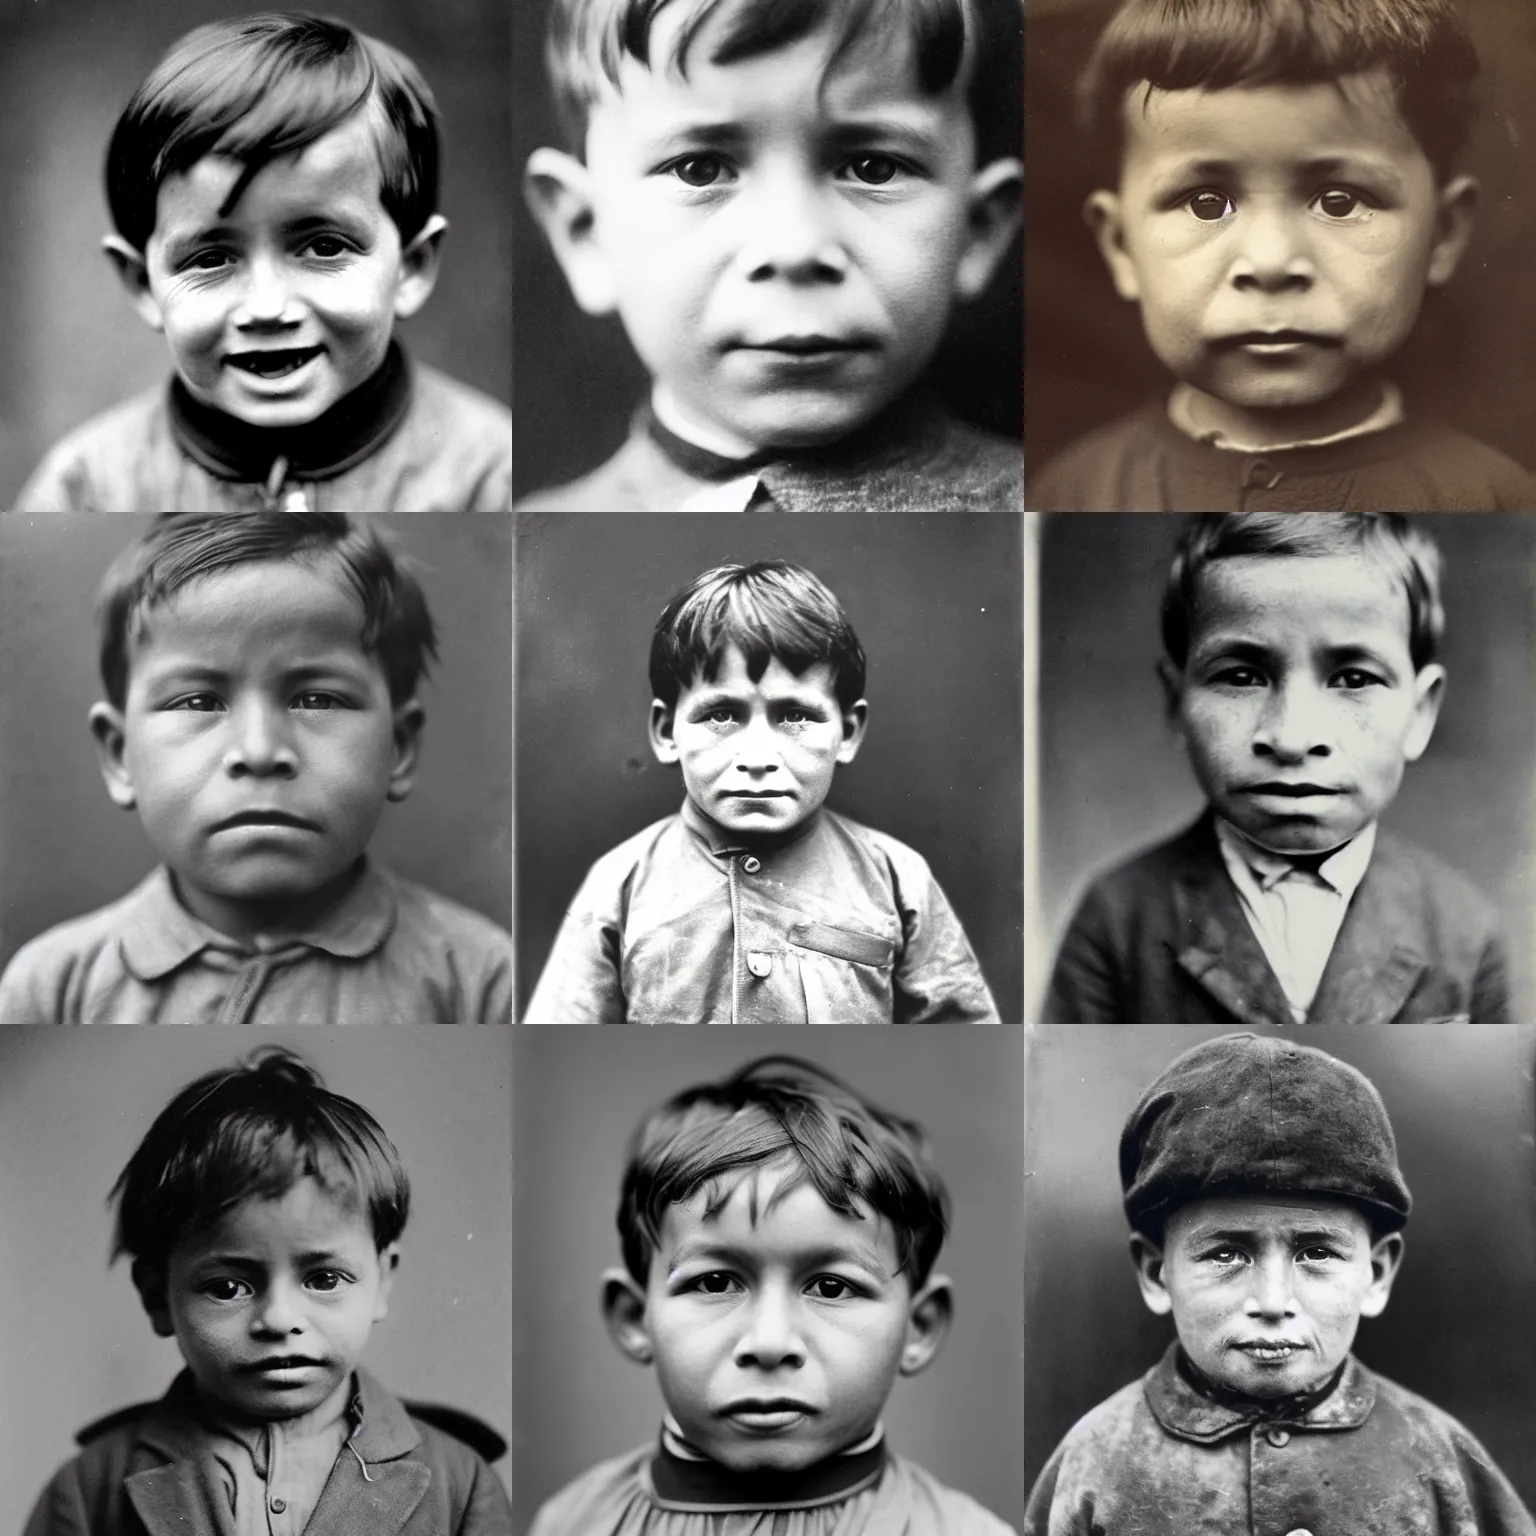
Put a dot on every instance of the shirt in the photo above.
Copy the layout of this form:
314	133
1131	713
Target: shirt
1295	914
684	924
389	952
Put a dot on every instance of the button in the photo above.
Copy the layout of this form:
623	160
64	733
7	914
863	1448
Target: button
751	865
1299	1531
759	963
279	1505
1278	1437
1261	475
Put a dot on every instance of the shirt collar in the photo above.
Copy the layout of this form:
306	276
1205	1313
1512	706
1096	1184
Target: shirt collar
1342	871
156	934
1184	411
722	843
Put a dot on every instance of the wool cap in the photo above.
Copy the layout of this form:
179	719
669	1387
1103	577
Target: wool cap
1252	1114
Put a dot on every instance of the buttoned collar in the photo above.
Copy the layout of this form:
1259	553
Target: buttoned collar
724	843
158	934
1342	871
1184	1412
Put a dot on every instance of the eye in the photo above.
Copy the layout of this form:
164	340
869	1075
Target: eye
698	170
326	1280
1210	206
1318	1254
210	260
795	715
1354	679
316	700
718	1282
1226	1254
1239	677
874	170
1340	203
721	714
832	1288
327	247
225	1289
203	703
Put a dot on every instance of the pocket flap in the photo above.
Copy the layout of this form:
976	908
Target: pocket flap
844	943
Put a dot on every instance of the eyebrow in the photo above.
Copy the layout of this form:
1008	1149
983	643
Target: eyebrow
691	1251
1300	1236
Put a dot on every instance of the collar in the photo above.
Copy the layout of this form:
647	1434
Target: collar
1187	411
157	935
346	434
1192	1413
722	843
682	1478
702	463
1341	871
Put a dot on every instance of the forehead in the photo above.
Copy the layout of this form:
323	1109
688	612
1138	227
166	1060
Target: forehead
1265	1213
308	1217
733	680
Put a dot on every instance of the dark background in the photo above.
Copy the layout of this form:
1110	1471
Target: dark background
935	601
65	849
1469	359
1112	780
579	1095
1458	1327
579	380
73	345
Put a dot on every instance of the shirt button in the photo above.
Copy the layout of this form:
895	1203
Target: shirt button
759	963
751	865
1299	1531
1278	1437
279	1505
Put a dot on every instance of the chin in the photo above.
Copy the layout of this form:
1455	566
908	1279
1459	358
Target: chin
771	1456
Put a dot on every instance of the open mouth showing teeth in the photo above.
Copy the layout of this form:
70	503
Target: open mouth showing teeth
274	364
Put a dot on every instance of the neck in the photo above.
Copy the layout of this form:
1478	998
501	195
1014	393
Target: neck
671	413
1289	425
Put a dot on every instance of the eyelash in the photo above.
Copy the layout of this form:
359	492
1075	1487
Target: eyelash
1363	204
208	1286
186	701
1229	676
697	1285
197	262
672	168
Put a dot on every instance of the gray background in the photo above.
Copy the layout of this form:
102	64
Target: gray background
1112	780
935	601
73	345
73	1106
580	1094
1458	1328
65	849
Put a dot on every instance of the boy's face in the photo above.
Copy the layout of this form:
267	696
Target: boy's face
1267	1291
276	310
776	1343
1299	704
783	246
1278	238
258	742
758	757
271	1306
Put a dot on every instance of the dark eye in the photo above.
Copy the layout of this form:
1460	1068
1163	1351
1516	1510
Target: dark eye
325	1280
1226	1255
318	701
797	716
328	247
1317	1254
226	1290
698	170
1353	678
210	260
716	1283
830	1288
203	703
873	170
1339	203
1240	677
1210	207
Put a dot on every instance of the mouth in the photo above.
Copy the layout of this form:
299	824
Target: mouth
1277	343
767	1415
266	819
272	362
1271	1351
758	794
282	1365
1280	790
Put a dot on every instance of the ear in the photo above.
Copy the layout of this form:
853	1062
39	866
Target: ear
389	1262
928	1318
1105	218
150	1284
1148	1259
855	719
1172	679
663	743
624	1313
1428	692
111	748
992	225
408	721
1386	1256
1455	212
419	263
558	188
133	273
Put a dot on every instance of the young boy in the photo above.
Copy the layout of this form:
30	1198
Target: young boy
755	905
1266	1206
1287	194
779	1236
782	202
262	1215
261	673
1299	665
273	184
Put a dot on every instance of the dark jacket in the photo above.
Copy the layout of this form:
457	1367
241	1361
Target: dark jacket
138	1476
1372	1459
1163	940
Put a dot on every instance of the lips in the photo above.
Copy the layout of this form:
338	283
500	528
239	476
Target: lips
265	818
278	1363
1283	337
272	362
1271	1351
767	1414
1285	790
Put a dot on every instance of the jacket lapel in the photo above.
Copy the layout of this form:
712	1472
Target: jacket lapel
170	1502
381	1503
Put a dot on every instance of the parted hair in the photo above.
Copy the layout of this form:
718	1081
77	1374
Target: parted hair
854	1153
1409	557
180	547
256	87
768	609
253	1131
1213	45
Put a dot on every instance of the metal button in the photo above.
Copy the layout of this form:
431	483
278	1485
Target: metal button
759	963
279	1505
1299	1531
751	865
1278	1437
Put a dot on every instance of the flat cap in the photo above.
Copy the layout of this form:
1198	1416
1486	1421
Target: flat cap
1251	1114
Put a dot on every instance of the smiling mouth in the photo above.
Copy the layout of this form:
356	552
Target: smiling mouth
273	363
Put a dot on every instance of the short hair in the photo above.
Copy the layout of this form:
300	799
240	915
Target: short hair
851	1151
252	1131
768	609
1388	540
181	547
257	87
977	42
1214	45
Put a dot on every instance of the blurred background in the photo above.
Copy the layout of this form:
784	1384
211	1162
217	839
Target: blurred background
73	345
1469	360
1458	1327
579	1095
74	1105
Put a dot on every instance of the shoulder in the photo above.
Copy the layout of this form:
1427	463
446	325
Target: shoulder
1456	906
90	468
908	866
422	910
1460	473
1403	1414
939	1510
628	481
1146	874
984	471
472	413
459	443
458	957
594	1503
613	871
1087	475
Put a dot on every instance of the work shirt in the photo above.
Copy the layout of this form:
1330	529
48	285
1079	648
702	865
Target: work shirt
389	952
1371	1459
686	924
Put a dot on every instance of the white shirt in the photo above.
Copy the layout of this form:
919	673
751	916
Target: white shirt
1187	411
1294	914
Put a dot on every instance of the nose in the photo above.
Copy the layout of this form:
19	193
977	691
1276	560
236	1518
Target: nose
280	1311
794	237
1273	254
1270	1294
1293	725
260	745
771	1336
757	749
267	299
